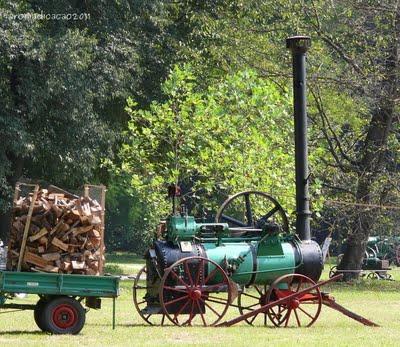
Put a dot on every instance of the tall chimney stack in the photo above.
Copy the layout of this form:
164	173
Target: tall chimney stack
299	45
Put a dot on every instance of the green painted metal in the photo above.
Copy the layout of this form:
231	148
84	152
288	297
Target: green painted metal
58	284
272	260
185	228
258	259
271	265
238	257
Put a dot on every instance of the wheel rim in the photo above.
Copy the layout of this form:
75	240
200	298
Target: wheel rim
332	271
65	316
301	311
248	221
188	291
249	302
140	302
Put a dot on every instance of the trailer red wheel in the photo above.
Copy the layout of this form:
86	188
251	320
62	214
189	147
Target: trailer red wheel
302	310
64	315
192	286
151	315
248	302
38	315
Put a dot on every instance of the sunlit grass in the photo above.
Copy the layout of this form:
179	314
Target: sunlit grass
376	300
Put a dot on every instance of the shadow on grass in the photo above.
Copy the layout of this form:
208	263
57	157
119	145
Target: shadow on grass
23	332
363	285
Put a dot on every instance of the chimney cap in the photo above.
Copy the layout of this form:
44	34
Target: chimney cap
298	44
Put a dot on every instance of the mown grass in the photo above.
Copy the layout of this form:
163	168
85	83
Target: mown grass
376	300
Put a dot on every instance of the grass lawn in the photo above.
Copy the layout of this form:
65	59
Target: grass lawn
376	300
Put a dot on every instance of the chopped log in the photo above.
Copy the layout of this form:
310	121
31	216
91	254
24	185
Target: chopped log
51	256
82	230
58	243
50	268
43	240
37	236
35	259
60	229
78	265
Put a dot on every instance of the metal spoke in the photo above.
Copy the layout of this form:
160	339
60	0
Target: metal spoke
252	319
249	214
180	310
297	318
188	273
305	312
179	279
201	313
176	300
175	289
215	312
299	284
258	290
270	213
211	275
233	221
288	316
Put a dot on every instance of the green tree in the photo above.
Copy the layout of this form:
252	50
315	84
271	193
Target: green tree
234	135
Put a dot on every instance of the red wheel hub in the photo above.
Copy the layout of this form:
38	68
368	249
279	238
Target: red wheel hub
294	303
195	294
64	316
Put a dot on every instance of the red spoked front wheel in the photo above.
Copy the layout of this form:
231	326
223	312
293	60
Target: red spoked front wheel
251	299
195	291
302	310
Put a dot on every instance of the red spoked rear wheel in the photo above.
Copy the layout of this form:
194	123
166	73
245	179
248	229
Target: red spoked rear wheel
193	286
140	287
302	310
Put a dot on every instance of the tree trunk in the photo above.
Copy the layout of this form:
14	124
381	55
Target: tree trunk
5	215
373	160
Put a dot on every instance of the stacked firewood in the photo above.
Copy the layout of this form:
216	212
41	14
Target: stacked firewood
64	234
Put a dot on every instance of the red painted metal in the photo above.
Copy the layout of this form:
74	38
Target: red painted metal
65	316
185	292
152	316
281	301
303	310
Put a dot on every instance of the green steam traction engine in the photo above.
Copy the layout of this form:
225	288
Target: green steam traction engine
202	267
195	271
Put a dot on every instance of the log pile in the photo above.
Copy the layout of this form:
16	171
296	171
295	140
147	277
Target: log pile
64	234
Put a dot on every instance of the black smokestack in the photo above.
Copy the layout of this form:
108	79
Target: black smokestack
299	46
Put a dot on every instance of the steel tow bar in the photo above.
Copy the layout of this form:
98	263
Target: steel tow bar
264	308
328	301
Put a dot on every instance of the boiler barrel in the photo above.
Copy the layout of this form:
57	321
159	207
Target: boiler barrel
259	265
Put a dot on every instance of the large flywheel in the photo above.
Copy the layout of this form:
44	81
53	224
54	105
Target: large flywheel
252	209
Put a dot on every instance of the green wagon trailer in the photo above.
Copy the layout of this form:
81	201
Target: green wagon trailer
59	309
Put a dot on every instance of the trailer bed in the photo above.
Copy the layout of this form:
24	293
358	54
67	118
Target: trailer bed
58	284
